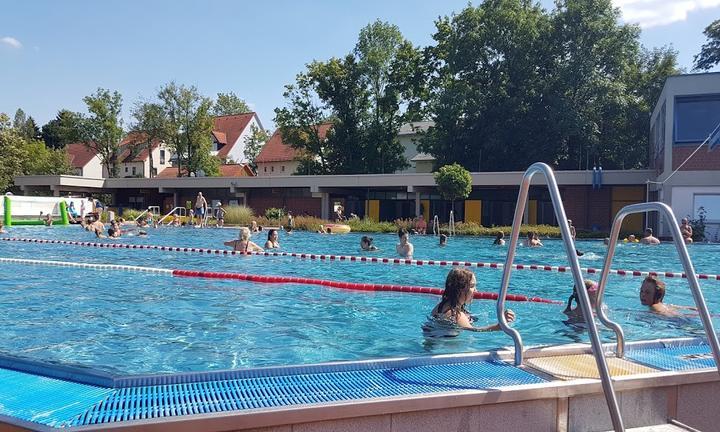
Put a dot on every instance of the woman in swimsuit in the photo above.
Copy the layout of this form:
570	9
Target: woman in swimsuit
272	240
243	243
459	290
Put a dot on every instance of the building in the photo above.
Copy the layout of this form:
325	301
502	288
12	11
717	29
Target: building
230	133
409	135
84	162
686	112
279	159
134	159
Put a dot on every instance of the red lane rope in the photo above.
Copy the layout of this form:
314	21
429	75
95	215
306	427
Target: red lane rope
364	259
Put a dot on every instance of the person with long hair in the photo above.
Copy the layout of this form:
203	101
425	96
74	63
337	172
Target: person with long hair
272	240
243	242
459	291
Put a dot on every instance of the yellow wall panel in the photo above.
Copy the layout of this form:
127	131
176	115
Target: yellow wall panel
473	211
628	193
425	209
532	212
372	210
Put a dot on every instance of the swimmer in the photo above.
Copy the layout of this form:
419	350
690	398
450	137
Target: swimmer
272	240
499	239
532	240
2	231
652	293
98	228
243	243
576	314
48	219
648	237
254	227
459	290
405	249
366	244
631	239
421	225
686	230
443	240
606	241
289	230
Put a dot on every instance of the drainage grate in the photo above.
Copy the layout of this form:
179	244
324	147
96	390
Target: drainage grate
137	403
48	401
674	358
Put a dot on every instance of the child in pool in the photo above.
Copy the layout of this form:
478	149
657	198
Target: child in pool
575	314
652	292
459	289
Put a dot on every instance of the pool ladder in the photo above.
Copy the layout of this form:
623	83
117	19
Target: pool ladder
583	299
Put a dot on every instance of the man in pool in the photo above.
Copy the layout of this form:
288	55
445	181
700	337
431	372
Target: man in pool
405	249
648	238
575	314
366	244
652	293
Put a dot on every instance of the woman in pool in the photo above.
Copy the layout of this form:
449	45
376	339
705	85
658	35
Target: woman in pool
405	249
243	243
532	240
272	240
459	290
652	292
575	314
499	239
366	244
443	240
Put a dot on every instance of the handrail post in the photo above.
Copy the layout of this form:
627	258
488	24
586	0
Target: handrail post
583	298
688	268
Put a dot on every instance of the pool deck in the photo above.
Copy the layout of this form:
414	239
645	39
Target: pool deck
557	390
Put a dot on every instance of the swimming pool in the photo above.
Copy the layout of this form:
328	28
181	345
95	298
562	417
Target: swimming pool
147	323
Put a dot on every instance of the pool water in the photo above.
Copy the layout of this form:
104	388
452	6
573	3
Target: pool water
148	323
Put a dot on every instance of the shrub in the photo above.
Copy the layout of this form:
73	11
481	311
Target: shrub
369	225
131	214
698	225
239	215
275	213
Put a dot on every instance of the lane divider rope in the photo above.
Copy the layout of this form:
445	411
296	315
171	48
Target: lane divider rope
364	259
272	279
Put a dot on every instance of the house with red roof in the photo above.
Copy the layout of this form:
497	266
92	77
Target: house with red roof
230	133
85	162
277	158
226	170
134	157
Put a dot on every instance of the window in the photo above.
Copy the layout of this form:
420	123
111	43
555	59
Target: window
282	168
711	204
162	157
695	118
133	171
126	170
272	168
265	169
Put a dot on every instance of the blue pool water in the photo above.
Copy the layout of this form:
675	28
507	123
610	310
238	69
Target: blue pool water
148	323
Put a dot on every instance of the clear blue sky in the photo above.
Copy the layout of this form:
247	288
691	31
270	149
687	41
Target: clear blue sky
52	53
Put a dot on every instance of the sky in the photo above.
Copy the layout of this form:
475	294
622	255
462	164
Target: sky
54	53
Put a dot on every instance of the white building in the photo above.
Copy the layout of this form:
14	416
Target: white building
85	162
687	110
134	159
230	133
409	136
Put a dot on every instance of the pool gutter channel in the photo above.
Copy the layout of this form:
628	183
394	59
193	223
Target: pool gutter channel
262	417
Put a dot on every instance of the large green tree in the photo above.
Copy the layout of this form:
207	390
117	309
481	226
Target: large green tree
709	55
254	143
150	123
188	129
62	130
102	129
229	104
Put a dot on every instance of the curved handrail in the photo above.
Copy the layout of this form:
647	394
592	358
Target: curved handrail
436	223
583	298
451	223
688	267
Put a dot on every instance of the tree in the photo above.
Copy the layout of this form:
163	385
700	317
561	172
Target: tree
150	124
12	154
709	55
188	129
454	182
254	143
25	125
229	104
62	130
102	130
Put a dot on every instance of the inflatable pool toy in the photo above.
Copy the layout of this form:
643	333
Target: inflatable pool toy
337	228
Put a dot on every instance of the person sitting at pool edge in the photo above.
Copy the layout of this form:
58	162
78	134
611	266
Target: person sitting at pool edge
652	293
648	237
460	286
499	239
272	240
575	314
243	243
443	240
421	225
366	244
405	249
686	230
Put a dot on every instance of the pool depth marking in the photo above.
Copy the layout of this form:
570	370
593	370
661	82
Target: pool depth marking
354	286
364	259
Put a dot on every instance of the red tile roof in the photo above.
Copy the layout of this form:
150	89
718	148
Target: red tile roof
220	137
129	151
232	126
275	150
79	155
227	170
